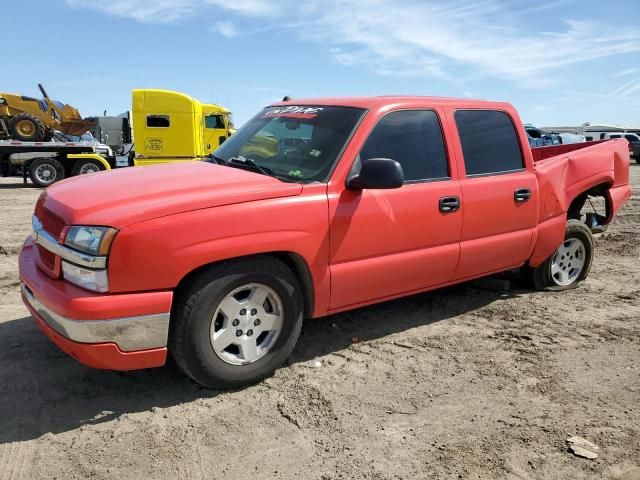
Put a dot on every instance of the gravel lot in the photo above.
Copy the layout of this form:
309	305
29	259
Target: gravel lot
458	383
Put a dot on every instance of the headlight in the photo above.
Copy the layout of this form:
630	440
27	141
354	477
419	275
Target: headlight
91	240
2	101
94	280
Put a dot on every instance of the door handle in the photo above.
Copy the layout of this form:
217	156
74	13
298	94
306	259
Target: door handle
449	204
522	194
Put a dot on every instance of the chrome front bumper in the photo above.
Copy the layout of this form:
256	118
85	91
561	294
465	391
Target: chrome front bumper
128	333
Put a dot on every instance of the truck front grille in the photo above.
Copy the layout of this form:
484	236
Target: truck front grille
48	258
53	224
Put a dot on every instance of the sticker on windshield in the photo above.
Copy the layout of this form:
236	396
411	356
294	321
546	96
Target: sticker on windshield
295	173
293	112
315	153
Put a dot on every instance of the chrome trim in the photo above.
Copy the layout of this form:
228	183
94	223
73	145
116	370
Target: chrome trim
45	239
128	333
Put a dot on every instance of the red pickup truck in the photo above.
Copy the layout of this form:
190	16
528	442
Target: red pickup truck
311	208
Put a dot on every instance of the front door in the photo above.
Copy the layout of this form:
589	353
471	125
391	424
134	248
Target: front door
215	131
386	243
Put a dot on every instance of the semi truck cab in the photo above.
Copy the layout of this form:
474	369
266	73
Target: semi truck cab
172	127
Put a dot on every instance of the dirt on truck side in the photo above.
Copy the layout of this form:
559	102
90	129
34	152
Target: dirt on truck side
457	383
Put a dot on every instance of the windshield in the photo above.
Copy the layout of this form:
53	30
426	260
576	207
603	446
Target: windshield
295	143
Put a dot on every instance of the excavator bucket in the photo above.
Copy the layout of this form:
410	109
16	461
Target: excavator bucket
72	123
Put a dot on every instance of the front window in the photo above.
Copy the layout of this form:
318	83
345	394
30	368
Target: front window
295	143
214	121
414	139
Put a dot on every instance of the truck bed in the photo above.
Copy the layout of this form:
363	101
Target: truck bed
542	153
564	171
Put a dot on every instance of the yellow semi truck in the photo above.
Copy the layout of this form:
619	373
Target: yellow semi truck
164	126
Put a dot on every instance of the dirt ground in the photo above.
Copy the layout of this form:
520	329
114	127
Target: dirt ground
458	383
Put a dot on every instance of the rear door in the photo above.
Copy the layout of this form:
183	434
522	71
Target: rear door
499	193
386	243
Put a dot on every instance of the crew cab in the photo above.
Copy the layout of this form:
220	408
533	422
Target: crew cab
311	208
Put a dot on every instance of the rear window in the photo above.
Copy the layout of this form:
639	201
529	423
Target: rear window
158	121
489	142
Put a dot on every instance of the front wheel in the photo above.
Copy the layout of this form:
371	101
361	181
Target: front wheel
569	264
236	322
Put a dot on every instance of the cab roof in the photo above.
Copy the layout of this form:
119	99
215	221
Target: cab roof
376	101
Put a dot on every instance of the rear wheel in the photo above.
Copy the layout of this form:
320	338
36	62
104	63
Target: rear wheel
27	128
236	322
86	166
45	171
569	264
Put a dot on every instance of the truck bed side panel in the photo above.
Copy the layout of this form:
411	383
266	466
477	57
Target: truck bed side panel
565	176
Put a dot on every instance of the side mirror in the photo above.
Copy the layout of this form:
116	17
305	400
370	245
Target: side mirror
377	173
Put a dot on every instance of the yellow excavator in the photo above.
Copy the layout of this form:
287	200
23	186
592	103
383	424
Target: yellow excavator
34	120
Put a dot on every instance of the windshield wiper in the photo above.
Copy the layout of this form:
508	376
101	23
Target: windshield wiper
251	164
218	160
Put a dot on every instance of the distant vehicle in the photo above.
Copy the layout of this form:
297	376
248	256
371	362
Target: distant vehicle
540	138
49	162
632	138
567	138
164	126
34	120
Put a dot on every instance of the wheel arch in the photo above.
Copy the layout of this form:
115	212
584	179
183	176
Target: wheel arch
73	158
551	231
579	200
295	262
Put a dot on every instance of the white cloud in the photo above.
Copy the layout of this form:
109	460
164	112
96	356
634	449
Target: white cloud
412	38
627	89
625	72
226	29
247	7
146	11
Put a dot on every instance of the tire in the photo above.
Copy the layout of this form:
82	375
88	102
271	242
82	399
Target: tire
560	271
83	167
45	171
27	128
201	326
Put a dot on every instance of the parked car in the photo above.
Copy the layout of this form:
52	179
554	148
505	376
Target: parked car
219	262
566	138
632	138
539	138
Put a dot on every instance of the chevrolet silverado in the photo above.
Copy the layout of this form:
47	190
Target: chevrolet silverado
310	209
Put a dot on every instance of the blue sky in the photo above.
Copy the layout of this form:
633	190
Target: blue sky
557	61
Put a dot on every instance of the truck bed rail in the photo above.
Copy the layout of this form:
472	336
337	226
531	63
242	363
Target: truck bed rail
542	153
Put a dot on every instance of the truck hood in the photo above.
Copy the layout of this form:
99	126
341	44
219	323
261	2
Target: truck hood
118	198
